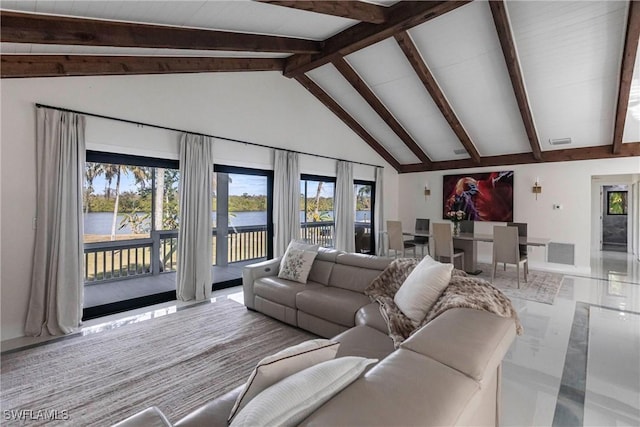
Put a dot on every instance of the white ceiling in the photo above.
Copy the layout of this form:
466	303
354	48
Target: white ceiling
570	54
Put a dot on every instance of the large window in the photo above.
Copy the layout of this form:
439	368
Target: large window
365	238
131	216
241	219
316	209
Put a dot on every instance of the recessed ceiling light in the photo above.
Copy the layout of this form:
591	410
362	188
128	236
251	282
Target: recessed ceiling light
560	141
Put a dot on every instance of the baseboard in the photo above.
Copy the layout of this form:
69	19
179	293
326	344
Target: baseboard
126	305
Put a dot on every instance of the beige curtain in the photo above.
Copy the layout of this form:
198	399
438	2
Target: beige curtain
194	258
345	208
57	282
286	200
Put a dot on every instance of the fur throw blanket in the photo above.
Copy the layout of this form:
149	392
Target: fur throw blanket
462	292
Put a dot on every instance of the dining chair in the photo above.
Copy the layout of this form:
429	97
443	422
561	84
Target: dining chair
506	250
522	232
422	226
396	241
466	226
443	244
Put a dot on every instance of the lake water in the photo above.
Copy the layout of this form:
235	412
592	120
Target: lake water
100	222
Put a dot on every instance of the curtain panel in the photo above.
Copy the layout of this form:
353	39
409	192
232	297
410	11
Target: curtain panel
286	200
195	244
57	280
378	214
345	208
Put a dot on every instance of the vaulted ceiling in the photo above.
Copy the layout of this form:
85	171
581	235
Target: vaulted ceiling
429	85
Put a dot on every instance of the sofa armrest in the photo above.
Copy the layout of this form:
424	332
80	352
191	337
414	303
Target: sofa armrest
150	417
253	272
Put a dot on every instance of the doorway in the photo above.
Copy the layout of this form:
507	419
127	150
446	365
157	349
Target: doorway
615	218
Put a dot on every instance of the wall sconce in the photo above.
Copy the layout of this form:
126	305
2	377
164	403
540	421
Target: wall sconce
427	191
537	188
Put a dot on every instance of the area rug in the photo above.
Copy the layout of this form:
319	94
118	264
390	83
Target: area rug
177	362
541	286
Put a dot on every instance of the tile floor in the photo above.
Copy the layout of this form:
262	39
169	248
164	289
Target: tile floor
578	362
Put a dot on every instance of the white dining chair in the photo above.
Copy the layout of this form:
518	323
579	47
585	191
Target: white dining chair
396	241
506	249
443	244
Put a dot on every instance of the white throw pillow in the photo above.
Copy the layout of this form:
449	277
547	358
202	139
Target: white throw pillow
421	288
273	368
297	261
291	400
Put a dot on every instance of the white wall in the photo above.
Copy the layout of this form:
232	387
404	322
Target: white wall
264	108
564	183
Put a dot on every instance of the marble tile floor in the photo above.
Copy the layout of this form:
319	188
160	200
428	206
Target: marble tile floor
578	362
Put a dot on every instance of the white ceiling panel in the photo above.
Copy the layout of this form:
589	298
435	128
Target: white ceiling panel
52	49
632	122
469	67
332	82
570	53
401	91
239	15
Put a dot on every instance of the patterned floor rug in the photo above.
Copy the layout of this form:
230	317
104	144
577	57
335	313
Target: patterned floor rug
177	362
541	286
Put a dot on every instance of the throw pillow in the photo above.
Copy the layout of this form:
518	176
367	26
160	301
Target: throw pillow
273	368
291	400
421	289
297	261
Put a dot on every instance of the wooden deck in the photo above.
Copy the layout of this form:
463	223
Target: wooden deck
121	290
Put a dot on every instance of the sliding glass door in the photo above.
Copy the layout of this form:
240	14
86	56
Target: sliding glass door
364	235
316	210
242	221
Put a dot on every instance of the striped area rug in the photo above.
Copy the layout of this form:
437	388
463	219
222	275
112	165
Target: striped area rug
541	286
177	362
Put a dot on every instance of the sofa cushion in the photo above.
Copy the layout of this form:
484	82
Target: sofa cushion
370	315
282	364
404	389
291	400
297	261
352	278
333	304
370	262
365	342
213	413
321	271
421	289
281	291
448	338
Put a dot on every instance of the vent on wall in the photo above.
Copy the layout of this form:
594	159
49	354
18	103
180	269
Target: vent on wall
560	141
561	253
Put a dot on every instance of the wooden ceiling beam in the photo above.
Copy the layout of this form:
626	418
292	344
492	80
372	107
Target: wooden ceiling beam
631	149
503	27
15	66
400	17
20	27
336	109
367	94
626	73
358	10
430	83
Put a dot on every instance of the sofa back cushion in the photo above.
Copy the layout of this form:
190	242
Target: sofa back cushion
355	272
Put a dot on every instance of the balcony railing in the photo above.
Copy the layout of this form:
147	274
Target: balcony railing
122	259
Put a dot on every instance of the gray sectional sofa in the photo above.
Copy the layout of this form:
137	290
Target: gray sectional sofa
446	373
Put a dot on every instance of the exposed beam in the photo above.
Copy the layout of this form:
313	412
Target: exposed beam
501	21
336	109
358	10
429	82
361	87
13	66
400	17
49	29
630	149
626	73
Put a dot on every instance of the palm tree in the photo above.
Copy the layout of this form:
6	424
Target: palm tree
92	170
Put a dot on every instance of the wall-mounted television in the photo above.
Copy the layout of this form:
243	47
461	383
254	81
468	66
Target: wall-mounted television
481	196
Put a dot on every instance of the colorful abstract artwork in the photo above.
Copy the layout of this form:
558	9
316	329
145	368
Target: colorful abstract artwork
481	196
